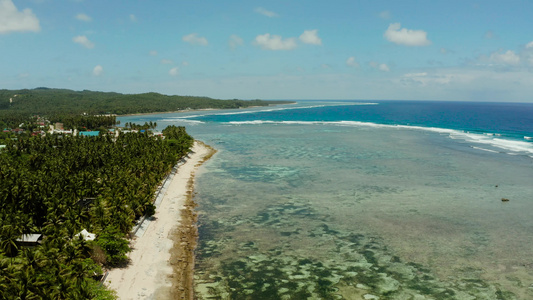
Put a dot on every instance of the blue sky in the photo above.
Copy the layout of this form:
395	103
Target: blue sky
412	50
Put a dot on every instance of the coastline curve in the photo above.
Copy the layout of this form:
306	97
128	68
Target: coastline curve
162	259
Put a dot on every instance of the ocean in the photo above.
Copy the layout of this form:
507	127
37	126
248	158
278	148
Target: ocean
364	200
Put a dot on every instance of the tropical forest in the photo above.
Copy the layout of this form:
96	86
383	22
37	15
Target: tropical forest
57	187
56	104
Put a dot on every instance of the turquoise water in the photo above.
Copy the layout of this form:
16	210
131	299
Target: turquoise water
298	204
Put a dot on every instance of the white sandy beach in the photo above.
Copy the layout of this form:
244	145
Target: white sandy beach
149	274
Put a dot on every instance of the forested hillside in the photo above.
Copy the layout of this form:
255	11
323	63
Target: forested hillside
51	102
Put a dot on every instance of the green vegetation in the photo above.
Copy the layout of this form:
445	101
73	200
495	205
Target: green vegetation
84	122
56	103
54	186
115	247
145	126
59	185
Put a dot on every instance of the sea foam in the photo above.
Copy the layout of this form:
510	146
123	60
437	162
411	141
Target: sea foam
182	119
508	146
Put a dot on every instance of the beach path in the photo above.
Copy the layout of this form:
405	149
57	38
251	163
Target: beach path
149	273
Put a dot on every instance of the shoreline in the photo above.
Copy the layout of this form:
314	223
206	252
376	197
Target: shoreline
165	112
199	109
162	258
185	238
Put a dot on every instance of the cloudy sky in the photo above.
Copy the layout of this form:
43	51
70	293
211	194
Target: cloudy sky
277	49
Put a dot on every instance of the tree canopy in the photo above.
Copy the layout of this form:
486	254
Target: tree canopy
19	104
59	185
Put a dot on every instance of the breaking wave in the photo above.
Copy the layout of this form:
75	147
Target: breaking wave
494	141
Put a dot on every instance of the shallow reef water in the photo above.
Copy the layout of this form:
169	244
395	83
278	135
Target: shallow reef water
316	204
340	265
355	215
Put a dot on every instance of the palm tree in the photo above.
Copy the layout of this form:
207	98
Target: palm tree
8	242
7	273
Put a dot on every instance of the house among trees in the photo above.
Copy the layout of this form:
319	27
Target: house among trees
30	240
87	236
59	131
38	133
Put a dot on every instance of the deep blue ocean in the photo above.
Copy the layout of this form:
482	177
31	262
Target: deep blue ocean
364	200
494	126
513	120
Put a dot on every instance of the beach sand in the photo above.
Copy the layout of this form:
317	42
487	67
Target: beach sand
162	260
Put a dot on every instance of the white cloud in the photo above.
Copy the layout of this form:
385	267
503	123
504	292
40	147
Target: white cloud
167	62
184	63
173	72
469	84
275	42
84	41
421	74
527	53
351	62
235	41
426	79
381	67
83	17
407	37
153	53
459	83
266	12
508	58
133	18
194	39
98	70
310	37
385	15
13	20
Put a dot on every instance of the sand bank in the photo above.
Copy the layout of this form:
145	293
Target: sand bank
162	258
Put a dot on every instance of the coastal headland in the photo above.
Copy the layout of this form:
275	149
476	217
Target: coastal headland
162	257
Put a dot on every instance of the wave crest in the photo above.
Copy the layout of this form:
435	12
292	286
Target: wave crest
492	140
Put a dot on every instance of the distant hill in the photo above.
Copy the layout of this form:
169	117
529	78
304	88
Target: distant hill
48	101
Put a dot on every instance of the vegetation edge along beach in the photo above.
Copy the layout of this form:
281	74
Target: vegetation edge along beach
162	257
74	184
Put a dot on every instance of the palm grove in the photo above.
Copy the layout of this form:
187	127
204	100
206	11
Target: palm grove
58	185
